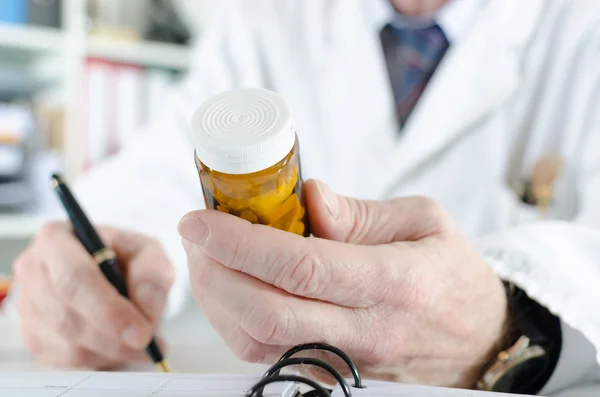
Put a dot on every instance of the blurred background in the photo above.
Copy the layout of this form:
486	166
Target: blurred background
67	68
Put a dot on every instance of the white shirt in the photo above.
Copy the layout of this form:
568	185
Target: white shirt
454	17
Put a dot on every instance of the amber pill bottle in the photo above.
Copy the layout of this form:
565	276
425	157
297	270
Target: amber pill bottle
248	158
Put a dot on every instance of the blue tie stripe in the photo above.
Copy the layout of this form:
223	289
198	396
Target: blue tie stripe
412	56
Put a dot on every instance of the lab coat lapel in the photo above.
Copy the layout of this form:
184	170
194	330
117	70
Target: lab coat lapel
475	77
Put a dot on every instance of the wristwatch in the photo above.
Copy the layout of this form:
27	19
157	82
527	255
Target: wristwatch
525	365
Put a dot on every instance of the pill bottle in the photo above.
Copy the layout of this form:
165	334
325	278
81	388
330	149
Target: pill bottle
248	159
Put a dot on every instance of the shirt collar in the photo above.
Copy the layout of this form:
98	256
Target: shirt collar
454	18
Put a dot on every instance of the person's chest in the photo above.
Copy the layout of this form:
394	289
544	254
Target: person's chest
470	141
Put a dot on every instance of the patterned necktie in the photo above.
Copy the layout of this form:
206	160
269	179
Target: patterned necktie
412	56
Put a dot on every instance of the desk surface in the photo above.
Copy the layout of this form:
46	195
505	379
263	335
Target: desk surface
194	347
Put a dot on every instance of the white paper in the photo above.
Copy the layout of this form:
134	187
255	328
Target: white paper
383	389
126	384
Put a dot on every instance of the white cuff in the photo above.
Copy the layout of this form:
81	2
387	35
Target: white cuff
577	363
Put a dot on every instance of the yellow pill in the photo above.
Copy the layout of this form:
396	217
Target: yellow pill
249	216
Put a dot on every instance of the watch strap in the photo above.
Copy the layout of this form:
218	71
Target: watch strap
533	330
544	329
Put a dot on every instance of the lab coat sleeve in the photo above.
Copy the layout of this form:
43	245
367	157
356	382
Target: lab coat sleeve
576	366
557	261
589	390
152	182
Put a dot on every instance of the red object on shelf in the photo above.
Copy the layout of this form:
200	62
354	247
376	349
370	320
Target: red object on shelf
5	284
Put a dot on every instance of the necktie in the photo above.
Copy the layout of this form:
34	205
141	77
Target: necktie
412	56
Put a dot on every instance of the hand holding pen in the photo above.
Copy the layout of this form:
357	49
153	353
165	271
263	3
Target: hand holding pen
72	316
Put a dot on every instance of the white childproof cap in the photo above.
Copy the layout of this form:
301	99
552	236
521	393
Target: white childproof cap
243	131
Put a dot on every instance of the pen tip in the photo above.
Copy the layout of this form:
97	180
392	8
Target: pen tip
163	366
56	180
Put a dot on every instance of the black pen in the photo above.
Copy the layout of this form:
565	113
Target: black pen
104	256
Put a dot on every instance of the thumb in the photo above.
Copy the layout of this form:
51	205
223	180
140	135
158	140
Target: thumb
369	222
148	270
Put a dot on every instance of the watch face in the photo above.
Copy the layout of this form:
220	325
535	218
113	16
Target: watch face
521	376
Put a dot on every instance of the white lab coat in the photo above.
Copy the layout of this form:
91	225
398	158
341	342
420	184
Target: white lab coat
523	82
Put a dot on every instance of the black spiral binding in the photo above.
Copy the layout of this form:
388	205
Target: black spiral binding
321	391
272	375
274	370
332	349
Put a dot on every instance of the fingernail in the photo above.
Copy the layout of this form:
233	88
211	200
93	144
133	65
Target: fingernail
151	300
194	230
330	199
134	337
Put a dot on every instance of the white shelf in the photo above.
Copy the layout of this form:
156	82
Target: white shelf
19	227
26	40
139	53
